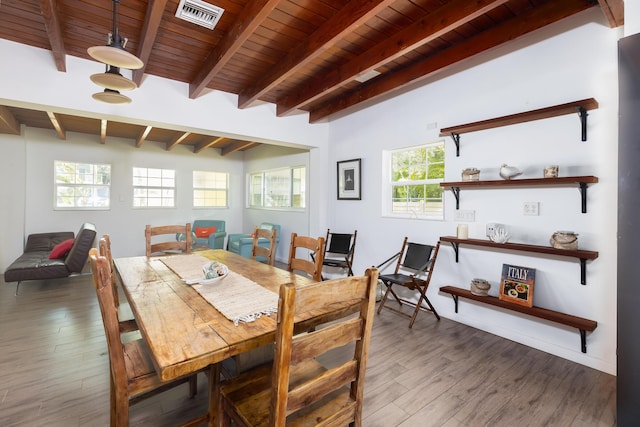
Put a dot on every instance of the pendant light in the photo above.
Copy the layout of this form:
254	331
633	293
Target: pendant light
113	53
112	79
111	96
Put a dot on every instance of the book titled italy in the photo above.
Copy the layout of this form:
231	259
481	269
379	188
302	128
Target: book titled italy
516	285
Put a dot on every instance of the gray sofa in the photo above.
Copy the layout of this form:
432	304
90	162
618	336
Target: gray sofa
34	263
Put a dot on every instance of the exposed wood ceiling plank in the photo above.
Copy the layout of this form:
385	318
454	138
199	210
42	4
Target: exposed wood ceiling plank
181	138
423	31
143	136
237	146
8	122
56	125
54	31
250	18
534	19
148	36
350	17
614	11
103	131
198	148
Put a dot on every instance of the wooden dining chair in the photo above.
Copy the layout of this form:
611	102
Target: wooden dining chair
132	375
170	242
127	323
413	270
314	248
269	254
297	389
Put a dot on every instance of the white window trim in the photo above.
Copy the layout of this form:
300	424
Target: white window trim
174	188
80	208
248	204
226	189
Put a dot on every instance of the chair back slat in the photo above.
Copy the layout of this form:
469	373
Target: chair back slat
417	256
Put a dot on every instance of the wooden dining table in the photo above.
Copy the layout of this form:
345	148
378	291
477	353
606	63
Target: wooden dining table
183	331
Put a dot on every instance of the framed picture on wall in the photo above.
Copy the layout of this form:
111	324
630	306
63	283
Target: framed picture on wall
349	176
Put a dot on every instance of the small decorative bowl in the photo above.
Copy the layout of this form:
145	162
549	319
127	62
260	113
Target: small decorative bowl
471	174
564	240
480	287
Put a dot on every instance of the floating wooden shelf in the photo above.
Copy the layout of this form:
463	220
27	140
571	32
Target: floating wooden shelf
582	324
579	107
581	255
581	181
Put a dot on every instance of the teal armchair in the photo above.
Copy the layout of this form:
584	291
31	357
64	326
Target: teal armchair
242	244
205	237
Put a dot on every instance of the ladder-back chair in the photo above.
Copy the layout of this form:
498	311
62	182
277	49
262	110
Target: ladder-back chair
315	249
258	250
420	260
297	389
170	244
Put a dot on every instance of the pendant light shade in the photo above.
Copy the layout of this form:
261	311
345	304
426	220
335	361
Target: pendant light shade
112	79
111	96
113	53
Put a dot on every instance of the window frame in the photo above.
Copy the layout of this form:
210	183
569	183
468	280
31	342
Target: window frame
93	186
263	197
388	183
161	187
194	188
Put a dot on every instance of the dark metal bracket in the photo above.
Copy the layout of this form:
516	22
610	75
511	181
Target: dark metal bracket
455	301
583	271
456	140
583	340
456	194
455	246
583	192
583	120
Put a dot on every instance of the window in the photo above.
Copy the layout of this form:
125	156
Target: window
210	189
82	185
414	181
281	188
154	188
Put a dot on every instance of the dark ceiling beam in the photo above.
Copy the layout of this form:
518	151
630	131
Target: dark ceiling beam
203	146
237	146
54	32
250	18
535	19
428	28
143	136
172	145
614	11
148	36
8	122
349	18
56	125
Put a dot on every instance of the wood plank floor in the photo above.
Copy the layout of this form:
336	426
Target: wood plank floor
54	372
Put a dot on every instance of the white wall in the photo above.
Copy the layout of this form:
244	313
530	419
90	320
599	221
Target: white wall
537	71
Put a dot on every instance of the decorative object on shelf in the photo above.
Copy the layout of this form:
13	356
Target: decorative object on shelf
114	56
508	172
499	235
480	287
551	171
471	174
463	231
349	180
516	284
564	240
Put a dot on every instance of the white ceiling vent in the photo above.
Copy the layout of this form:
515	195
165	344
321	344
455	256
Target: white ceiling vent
199	12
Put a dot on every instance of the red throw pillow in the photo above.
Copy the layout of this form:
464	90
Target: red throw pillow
61	249
204	232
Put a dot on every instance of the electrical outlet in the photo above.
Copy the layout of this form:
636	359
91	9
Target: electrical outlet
465	215
531	208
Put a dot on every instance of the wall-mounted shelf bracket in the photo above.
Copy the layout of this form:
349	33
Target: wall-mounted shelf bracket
583	120
455	247
583	193
456	140
456	194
